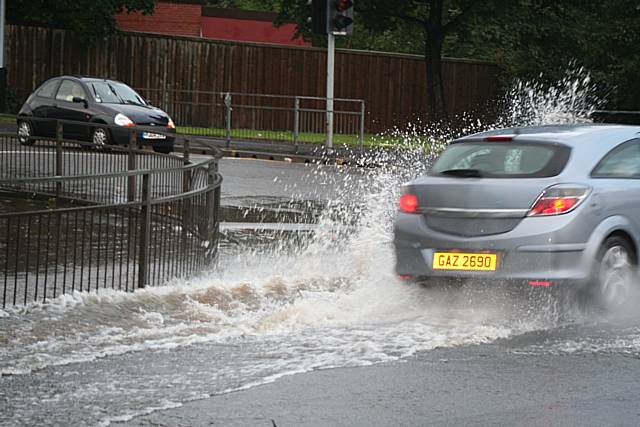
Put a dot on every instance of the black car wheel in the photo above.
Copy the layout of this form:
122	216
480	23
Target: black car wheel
100	137
25	133
613	281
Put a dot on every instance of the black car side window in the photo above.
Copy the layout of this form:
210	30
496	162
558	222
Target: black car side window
48	89
622	162
69	90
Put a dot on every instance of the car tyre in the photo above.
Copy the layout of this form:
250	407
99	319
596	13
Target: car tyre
100	138
162	148
25	133
613	281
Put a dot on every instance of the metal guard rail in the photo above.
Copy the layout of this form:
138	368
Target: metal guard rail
143	219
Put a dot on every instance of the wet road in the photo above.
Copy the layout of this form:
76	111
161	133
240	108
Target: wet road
486	385
310	327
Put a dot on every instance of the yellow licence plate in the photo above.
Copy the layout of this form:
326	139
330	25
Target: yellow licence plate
464	261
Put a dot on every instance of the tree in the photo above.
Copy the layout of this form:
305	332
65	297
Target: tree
540	39
434	19
91	20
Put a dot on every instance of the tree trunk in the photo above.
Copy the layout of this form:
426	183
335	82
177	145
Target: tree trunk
434	37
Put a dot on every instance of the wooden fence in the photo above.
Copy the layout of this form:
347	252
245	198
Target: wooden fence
392	85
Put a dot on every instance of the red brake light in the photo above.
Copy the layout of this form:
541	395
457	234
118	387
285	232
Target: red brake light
558	200
409	203
499	138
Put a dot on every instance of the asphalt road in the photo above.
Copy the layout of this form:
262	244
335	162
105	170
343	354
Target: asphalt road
485	385
320	336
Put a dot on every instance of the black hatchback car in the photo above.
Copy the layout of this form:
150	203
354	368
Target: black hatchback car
97	102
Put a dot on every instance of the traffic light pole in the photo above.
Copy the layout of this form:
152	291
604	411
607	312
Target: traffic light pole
331	53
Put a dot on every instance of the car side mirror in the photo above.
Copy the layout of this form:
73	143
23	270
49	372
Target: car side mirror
149	102
78	99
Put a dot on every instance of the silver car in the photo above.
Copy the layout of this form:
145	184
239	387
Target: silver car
543	206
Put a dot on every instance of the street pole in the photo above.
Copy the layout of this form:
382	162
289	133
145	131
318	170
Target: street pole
331	52
3	70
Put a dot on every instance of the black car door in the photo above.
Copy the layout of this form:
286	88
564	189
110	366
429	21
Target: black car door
64	108
42	105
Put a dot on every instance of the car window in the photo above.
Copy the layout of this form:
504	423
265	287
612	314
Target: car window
115	93
622	162
504	159
69	90
48	89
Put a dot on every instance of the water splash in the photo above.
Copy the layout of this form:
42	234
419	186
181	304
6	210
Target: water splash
282	303
569	100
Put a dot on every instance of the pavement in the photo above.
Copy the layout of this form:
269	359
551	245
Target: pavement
271	150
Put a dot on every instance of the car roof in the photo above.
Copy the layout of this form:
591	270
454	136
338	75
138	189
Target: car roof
86	79
569	134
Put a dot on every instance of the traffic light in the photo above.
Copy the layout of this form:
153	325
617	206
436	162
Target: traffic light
319	9
340	17
332	17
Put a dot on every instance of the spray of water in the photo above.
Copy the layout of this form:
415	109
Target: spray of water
329	299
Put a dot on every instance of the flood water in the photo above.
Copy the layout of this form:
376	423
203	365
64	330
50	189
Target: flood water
304	281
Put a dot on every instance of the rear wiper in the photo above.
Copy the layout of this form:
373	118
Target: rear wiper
464	173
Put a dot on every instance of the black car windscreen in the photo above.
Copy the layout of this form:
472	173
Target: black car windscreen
502	159
115	93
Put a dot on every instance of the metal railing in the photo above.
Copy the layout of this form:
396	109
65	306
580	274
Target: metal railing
80	217
240	116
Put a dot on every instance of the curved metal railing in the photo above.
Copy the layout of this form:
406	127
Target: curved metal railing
79	217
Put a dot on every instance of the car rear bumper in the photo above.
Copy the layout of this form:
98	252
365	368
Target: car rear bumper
513	265
536	250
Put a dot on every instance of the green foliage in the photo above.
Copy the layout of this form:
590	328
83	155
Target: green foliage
541	38
264	5
92	20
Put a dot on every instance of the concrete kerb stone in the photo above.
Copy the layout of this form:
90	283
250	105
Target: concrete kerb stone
273	151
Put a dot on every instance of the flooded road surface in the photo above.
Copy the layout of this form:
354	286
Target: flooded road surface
304	282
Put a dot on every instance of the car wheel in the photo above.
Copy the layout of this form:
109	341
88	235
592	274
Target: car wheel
100	137
613	282
25	133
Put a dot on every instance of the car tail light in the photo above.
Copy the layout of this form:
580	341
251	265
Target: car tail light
171	125
409	203
559	199
122	120
499	138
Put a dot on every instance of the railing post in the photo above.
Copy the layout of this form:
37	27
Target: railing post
165	97
145	231
186	145
131	180
186	175
211	210
296	122
227	104
361	137
186	207
59	156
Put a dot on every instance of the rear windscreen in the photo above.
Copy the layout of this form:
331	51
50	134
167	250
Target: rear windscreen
502	159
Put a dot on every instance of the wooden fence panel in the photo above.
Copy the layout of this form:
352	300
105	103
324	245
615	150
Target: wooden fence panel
392	85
